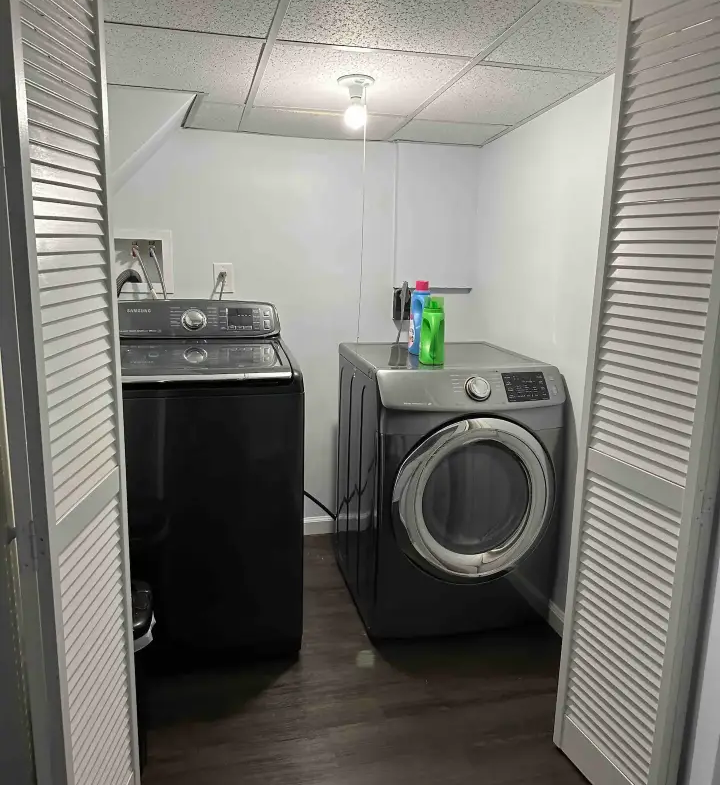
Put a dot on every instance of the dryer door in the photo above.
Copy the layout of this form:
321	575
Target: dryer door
474	497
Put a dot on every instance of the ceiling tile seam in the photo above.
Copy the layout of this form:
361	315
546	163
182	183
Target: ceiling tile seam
148	87
319	111
545	69
264	58
491	47
372	49
476	145
340	112
590	3
547	108
193	110
308	138
184	30
197	90
452	122
336	139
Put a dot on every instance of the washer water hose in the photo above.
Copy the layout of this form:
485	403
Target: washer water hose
126	276
135	251
158	268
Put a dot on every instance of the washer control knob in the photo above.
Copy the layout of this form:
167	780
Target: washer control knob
478	388
195	355
194	319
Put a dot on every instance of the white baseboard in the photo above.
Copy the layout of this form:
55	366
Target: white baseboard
556	618
319	524
547	609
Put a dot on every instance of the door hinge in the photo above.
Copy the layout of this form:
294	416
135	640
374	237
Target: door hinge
34	544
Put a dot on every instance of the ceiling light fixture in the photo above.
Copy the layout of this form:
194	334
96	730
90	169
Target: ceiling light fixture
357	84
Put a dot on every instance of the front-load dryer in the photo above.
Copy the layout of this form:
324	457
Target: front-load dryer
447	487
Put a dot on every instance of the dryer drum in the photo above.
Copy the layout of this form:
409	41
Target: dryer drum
474	497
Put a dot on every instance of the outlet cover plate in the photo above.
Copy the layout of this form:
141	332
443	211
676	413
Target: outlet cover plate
227	267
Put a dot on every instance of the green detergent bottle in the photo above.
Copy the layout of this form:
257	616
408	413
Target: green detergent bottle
432	333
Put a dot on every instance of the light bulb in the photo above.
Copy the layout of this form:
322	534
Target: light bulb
355	114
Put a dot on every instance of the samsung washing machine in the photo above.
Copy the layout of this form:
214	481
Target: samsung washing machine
214	408
447	487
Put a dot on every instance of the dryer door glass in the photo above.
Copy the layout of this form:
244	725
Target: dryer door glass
474	497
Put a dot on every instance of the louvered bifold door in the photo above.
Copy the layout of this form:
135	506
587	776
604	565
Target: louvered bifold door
648	470
66	402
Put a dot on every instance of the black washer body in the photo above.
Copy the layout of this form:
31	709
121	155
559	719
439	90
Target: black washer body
215	494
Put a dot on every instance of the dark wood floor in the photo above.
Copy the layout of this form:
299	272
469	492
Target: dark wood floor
464	710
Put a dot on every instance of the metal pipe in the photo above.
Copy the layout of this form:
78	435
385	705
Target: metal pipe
136	255
158	268
403	297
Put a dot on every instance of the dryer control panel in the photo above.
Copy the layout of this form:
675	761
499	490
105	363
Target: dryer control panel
525	386
202	318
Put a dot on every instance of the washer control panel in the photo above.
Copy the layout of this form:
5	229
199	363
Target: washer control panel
194	319
206	318
525	386
249	317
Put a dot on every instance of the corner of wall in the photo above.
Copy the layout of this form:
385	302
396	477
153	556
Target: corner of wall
140	122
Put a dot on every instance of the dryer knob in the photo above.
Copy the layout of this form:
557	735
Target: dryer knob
478	388
194	319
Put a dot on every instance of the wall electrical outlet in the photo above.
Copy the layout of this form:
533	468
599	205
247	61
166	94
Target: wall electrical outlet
229	278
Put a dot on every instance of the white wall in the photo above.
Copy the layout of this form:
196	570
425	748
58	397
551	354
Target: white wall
703	751
436	198
140	119
287	213
541	195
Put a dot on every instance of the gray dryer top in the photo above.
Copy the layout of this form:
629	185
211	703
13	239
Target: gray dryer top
475	377
474	357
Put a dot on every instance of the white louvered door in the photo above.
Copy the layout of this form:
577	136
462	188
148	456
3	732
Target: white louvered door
60	369
647	476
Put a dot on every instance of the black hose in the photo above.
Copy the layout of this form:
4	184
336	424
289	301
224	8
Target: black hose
320	505
126	276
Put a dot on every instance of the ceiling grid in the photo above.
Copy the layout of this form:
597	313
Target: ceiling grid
453	72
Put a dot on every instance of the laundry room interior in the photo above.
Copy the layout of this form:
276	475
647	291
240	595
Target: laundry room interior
482	171
410	325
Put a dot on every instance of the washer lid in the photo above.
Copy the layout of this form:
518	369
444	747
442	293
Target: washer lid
146	361
474	497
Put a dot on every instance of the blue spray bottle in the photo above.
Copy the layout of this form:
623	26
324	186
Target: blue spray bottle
417	303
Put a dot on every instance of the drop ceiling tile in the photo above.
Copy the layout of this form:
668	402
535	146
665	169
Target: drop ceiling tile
231	17
448	133
197	62
565	35
305	77
489	94
441	26
315	125
213	116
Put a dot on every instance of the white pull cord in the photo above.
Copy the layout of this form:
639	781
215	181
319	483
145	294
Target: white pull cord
362	221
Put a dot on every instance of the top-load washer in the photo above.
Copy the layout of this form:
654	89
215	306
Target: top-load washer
214	427
447	487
